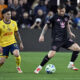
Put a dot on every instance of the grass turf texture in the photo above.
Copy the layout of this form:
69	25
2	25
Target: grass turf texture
30	60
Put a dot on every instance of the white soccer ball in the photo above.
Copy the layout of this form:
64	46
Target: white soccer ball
50	68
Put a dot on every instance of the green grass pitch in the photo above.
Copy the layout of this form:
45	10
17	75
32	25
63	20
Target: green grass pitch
30	60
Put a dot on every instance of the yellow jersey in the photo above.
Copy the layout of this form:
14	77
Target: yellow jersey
7	36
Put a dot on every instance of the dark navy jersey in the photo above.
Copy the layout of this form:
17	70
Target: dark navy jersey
59	27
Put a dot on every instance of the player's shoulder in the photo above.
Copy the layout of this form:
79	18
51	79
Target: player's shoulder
53	17
12	21
66	15
1	22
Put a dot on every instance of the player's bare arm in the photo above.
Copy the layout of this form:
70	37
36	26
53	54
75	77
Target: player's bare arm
69	30
41	38
17	34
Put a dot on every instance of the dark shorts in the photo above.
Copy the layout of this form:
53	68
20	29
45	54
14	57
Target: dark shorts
9	48
56	45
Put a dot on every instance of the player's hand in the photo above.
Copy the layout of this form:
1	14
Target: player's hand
41	38
21	46
1	50
72	35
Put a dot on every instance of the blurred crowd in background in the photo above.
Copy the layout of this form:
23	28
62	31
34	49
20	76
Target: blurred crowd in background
34	13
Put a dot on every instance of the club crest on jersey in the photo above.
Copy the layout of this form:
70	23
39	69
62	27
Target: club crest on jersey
58	20
62	24
13	25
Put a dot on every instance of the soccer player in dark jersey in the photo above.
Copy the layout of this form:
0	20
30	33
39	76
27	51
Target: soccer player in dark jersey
60	27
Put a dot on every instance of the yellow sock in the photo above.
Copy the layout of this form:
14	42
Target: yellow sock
18	61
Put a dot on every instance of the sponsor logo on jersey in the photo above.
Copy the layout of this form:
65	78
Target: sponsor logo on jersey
62	24
58	20
8	33
13	25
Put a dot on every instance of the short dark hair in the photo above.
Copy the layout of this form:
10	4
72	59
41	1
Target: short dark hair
5	10
61	6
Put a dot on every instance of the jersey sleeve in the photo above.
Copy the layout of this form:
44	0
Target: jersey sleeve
50	20
16	27
67	16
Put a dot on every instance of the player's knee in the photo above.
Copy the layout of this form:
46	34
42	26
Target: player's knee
51	54
76	47
16	53
1	62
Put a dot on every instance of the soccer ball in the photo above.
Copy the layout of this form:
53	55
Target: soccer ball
50	68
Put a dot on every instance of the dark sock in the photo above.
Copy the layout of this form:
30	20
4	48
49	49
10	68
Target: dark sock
45	60
74	56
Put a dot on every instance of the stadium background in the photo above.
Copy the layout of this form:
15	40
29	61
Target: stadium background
30	40
30	36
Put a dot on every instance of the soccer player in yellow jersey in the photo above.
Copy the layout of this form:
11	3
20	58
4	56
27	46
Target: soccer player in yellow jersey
8	32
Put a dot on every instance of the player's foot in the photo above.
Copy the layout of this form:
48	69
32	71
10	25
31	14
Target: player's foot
38	69
71	66
19	70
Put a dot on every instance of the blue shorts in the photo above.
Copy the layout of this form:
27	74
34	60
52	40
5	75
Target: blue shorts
9	48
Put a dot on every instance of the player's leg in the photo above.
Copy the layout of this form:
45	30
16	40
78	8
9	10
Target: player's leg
18	60
2	60
54	47
69	44
4	55
15	51
47	57
74	56
73	59
44	61
75	48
